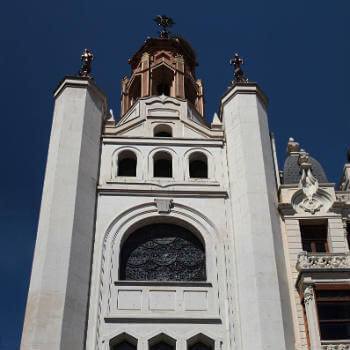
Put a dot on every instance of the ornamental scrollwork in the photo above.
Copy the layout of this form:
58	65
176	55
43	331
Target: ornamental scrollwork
323	261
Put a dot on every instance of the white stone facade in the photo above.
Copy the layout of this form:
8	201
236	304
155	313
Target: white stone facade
259	291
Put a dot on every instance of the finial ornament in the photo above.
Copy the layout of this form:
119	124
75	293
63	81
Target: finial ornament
164	22
238	73
292	146
86	58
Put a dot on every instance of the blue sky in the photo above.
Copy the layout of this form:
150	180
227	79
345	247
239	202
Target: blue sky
297	51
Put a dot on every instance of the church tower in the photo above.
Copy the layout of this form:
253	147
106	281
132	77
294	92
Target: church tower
161	231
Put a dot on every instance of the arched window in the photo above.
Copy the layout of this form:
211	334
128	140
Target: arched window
162	80
123	341
200	346
163	89
190	91
198	165
124	345
135	90
162	252
162	346
162	165
162	130
127	163
200	342
162	342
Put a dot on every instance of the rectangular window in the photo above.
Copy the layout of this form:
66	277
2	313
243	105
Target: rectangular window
314	237
348	233
333	307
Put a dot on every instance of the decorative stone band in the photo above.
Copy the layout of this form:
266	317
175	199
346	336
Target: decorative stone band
342	196
336	346
323	261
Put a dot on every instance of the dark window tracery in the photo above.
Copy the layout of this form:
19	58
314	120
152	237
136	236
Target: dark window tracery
162	252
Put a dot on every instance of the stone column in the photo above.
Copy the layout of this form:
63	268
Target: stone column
57	305
311	318
259	257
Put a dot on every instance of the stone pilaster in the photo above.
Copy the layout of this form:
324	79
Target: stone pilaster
179	77
312	319
57	302
145	75
256	222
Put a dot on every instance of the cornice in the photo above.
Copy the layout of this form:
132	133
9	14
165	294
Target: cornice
79	82
242	88
103	190
171	141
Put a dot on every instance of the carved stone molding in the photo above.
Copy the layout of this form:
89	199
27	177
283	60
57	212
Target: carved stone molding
336	346
323	261
342	196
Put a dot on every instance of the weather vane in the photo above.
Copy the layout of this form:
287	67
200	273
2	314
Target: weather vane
164	22
238	73
86	58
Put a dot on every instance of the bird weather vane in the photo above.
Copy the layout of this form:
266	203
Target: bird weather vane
238	72
164	22
85	70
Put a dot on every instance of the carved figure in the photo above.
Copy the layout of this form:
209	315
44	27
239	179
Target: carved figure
238	72
309	185
86	58
308	294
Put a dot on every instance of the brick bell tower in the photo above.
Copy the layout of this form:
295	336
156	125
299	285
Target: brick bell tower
163	66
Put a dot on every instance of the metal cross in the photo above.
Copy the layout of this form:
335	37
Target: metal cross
164	22
86	58
238	72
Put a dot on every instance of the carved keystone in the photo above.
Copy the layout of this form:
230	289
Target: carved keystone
163	205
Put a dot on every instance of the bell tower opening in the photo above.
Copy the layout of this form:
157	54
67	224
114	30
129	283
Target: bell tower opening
162	81
163	89
135	89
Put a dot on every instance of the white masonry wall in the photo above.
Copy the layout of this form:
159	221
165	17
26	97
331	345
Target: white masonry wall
59	288
255	220
145	310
